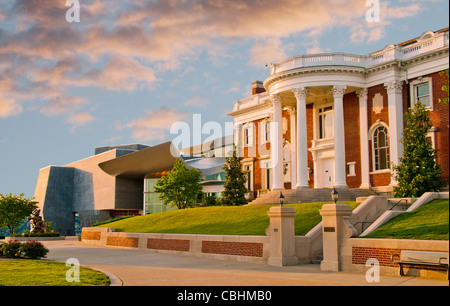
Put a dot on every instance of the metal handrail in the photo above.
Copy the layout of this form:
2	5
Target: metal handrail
362	224
406	203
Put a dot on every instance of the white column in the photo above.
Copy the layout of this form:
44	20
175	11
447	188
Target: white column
293	128
276	143
364	141
302	140
339	138
395	106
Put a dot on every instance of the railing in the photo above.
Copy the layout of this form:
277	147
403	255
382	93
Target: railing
362	225
399	202
389	53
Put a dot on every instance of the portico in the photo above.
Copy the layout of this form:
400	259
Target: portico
336	119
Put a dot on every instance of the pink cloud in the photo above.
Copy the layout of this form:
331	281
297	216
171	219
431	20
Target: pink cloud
155	125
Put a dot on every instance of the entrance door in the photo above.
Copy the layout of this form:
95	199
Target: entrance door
327	173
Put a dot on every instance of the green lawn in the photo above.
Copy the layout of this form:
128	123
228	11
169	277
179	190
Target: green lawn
22	272
220	220
428	222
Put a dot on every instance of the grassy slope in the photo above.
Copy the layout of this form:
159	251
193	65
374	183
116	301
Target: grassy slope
428	222
221	220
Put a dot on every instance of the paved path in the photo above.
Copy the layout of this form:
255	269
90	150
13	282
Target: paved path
143	268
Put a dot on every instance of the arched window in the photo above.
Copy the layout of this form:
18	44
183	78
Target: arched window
380	145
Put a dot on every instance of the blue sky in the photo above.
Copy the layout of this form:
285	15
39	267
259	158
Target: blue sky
130	69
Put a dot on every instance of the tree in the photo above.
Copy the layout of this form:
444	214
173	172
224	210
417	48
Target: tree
445	87
418	171
235	179
180	187
14	209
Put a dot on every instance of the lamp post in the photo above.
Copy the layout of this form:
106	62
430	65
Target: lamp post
334	195
281	197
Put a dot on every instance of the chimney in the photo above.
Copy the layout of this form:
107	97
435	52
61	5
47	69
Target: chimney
257	87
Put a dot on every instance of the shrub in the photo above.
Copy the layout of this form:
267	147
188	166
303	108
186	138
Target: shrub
33	250
30	249
209	201
40	235
10	249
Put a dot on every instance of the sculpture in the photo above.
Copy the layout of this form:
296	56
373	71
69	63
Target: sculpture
37	224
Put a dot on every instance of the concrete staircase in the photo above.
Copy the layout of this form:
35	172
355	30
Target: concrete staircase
292	196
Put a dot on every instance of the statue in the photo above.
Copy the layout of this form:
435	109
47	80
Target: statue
37	224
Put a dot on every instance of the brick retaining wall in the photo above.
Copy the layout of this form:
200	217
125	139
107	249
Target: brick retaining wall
233	248
356	252
240	248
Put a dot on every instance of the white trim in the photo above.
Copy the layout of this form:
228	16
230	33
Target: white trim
354	169
249	127
421	81
251	170
372	130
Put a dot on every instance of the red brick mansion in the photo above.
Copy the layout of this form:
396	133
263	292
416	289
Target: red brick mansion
336	119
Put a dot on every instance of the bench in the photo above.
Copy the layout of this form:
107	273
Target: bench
421	258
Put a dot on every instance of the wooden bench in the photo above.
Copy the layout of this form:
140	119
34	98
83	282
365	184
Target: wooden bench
421	258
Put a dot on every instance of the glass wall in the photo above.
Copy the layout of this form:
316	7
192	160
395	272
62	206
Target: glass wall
152	203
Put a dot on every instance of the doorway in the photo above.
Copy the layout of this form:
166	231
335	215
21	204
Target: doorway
326	173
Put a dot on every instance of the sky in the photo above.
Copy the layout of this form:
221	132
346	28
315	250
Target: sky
127	70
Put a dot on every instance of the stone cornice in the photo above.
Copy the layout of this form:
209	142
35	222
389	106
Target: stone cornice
293	73
311	70
265	105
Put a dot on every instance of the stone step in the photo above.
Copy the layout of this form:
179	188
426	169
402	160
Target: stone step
309	195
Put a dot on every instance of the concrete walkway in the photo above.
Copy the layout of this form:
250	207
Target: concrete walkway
141	268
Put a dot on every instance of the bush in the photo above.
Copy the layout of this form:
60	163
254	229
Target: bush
209	201
30	250
33	250
10	249
39	235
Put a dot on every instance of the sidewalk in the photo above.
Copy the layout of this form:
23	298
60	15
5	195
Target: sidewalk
140	268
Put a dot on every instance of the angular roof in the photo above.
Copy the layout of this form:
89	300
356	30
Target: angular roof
143	163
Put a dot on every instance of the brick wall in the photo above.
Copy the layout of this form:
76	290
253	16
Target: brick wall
360	255
233	248
440	118
241	248
352	137
90	235
122	242
168	244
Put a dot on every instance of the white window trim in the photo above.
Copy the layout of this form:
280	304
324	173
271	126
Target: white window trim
372	129
249	127
263	126
354	168
244	166
316	114
417	82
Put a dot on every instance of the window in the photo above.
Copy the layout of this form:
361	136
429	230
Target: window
267	132
248	136
380	142
421	90
326	126
266	174
422	94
